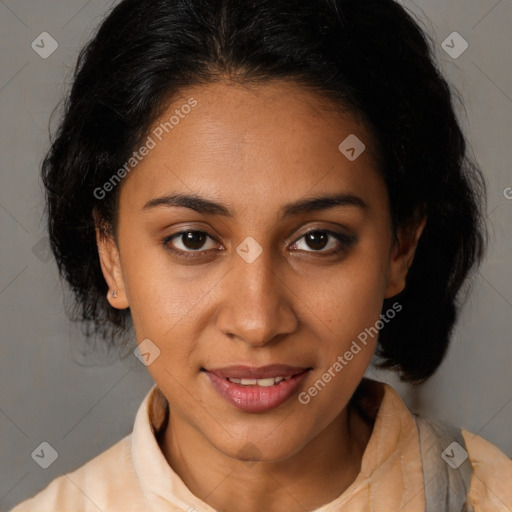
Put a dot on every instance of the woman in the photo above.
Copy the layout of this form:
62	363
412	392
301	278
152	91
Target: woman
269	193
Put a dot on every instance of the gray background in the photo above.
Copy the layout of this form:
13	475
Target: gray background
83	402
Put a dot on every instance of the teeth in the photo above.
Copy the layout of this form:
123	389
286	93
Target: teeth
266	382
271	381
248	382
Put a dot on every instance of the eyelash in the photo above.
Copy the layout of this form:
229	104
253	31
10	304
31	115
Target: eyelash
346	242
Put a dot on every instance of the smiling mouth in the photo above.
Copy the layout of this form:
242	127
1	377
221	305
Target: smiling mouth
256	389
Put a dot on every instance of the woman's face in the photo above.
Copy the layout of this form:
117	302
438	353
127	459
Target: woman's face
246	285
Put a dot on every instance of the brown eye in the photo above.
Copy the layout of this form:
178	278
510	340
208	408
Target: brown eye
318	240
190	241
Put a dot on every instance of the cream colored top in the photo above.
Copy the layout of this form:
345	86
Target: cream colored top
133	475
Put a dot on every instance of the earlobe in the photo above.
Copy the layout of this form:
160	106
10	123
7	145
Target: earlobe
111	269
402	257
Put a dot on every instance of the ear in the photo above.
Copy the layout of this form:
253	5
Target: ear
111	266
402	256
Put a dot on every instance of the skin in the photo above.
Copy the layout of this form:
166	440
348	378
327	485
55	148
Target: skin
255	149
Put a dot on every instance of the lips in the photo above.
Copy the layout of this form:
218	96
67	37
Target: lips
251	389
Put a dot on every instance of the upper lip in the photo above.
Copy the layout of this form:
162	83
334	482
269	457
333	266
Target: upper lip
257	372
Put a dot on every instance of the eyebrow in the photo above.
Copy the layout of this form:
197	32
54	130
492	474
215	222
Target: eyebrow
305	205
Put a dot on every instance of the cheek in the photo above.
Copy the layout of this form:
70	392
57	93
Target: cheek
346	310
159	293
346	315
351	295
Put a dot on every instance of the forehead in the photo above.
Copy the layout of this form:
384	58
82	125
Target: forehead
268	141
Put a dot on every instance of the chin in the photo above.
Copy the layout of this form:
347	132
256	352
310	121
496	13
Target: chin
263	449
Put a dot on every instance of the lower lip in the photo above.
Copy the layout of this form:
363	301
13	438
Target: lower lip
256	398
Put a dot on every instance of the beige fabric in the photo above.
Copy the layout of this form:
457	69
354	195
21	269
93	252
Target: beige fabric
133	475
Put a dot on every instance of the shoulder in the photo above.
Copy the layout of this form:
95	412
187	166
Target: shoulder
491	482
484	472
108	478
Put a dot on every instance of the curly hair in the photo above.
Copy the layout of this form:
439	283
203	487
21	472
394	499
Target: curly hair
369	58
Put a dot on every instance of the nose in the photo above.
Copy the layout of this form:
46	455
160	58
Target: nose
257	305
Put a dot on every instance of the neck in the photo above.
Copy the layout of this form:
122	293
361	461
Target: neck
308	479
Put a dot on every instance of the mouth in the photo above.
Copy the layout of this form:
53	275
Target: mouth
256	389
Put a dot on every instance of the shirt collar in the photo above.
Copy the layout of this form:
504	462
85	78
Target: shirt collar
163	487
